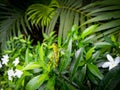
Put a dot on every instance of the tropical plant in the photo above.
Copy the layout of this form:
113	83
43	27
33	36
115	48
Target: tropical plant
106	13
112	76
11	60
14	21
68	13
58	15
52	61
73	63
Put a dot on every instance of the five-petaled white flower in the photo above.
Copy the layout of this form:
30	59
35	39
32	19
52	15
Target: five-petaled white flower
18	73
0	65
10	74
5	59
112	63
16	61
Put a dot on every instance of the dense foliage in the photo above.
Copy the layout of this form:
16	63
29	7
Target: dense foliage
37	16
59	44
73	63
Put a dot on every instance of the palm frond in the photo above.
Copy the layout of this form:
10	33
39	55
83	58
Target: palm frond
67	14
13	21
106	13
59	15
40	13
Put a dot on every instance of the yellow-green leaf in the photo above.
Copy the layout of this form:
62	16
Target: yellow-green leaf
32	65
88	31
89	53
36	82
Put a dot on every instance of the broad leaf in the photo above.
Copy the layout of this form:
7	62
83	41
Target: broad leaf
111	81
95	71
51	84
93	79
102	44
77	61
89	31
32	66
36	82
89	53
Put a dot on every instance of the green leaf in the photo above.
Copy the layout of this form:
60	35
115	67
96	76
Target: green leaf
88	31
45	36
40	13
93	79
41	52
96	55
21	80
70	46
66	86
104	16
111	81
83	73
27	56
50	84
89	39
95	71
74	28
65	61
89	53
79	57
113	38
36	82
108	8
108	25
32	65
59	41
102	44
18	83
69	19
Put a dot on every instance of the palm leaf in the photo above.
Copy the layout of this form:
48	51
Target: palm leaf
40	13
68	14
13	21
107	14
59	15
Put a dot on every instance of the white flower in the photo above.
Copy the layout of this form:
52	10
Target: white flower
10	74
0	65
5	59
1	89
18	73
112	63
16	61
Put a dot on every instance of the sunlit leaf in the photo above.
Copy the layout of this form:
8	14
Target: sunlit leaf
89	31
89	53
36	82
32	66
